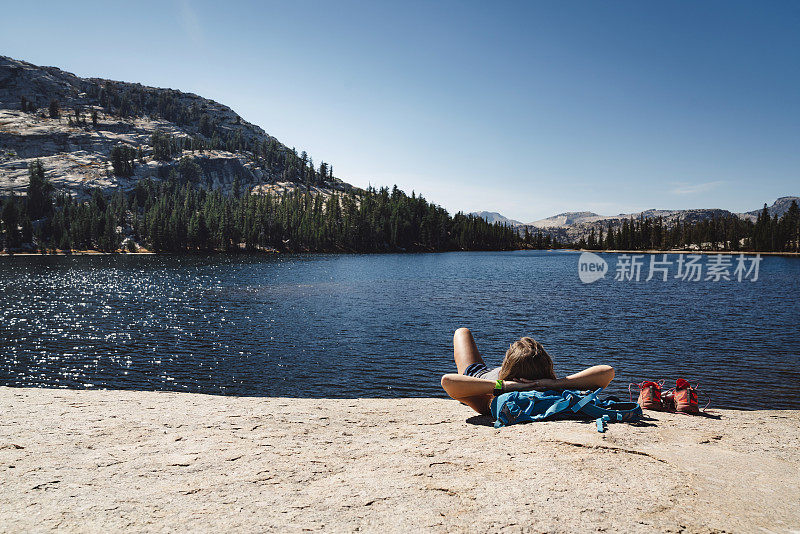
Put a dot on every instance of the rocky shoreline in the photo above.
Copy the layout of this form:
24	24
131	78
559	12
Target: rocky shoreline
95	460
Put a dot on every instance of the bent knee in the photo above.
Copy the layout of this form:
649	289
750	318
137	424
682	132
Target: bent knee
461	332
610	373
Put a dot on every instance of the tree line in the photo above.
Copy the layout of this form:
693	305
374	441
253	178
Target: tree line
177	215
729	232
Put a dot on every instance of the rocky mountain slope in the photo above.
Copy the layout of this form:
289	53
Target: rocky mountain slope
72	124
778	208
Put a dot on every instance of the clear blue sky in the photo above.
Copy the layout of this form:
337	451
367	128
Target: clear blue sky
528	108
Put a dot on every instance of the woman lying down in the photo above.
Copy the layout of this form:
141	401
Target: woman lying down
525	366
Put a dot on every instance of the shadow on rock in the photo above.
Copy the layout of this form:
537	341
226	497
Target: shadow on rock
481	420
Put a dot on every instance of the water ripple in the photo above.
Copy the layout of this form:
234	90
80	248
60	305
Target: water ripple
381	325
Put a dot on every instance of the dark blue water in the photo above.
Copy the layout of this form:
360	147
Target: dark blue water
381	325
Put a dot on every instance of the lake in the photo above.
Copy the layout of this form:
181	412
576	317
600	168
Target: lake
381	325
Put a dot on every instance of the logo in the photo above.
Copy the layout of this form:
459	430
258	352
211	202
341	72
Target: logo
663	266
591	267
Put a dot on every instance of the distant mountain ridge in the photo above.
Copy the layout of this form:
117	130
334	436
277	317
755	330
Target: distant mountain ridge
566	219
493	217
572	226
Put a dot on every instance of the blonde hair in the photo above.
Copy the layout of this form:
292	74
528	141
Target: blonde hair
526	358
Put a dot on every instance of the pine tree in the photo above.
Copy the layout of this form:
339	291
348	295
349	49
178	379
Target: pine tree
122	160
54	109
10	217
27	229
109	239
610	243
792	217
40	202
189	170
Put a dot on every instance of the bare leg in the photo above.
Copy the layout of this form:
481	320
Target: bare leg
465	353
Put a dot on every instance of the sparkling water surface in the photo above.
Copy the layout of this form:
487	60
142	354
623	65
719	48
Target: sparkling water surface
382	325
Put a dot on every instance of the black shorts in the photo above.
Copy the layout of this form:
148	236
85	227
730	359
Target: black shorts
476	369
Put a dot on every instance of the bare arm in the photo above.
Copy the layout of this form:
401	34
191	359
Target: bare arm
462	386
598	376
477	392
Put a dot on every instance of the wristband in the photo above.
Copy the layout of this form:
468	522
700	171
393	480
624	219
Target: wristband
498	387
